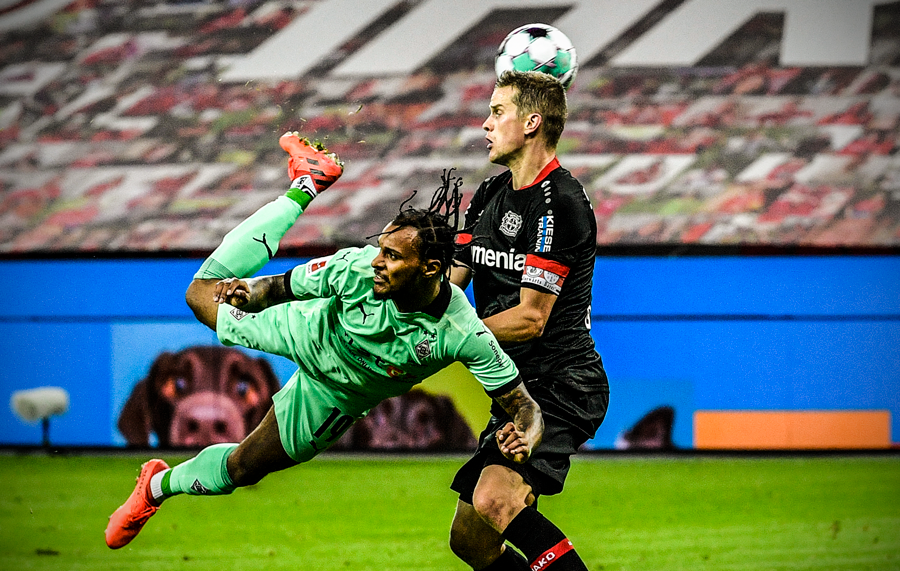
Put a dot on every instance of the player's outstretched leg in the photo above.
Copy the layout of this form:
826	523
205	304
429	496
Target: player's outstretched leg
247	248
127	521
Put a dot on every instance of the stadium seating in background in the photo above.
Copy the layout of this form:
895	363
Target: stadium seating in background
117	135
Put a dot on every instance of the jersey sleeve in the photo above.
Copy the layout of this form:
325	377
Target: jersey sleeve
484	358
555	230
330	276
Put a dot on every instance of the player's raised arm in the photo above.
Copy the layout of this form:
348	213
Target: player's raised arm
520	437
525	321
251	295
493	368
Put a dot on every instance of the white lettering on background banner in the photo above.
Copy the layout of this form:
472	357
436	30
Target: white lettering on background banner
816	32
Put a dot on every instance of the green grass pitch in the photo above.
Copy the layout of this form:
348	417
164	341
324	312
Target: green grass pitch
377	513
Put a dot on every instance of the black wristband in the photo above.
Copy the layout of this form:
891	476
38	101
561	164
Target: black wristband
287	284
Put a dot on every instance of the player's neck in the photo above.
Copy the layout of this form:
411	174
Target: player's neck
529	164
418	298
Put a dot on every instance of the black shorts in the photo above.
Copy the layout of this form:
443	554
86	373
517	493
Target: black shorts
572	414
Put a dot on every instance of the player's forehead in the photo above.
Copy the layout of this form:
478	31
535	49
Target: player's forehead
503	97
400	239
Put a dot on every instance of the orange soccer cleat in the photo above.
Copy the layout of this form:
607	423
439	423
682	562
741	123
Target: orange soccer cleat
311	159
127	521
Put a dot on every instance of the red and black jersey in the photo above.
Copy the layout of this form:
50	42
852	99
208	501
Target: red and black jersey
544	237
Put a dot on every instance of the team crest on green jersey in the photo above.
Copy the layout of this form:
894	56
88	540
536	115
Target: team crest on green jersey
423	349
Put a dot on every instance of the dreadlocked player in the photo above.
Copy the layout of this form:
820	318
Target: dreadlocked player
362	325
530	241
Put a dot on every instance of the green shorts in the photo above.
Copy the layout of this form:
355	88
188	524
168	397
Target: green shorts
311	415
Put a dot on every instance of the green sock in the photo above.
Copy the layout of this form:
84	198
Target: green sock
247	248
302	190
203	475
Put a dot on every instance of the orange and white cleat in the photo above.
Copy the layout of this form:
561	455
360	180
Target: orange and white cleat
312	159
127	521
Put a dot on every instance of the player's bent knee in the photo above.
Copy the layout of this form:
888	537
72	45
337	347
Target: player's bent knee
497	506
490	507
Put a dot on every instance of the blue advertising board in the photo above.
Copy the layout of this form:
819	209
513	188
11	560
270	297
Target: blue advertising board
698	333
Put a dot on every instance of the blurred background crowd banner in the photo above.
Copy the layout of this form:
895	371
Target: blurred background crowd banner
135	134
152	126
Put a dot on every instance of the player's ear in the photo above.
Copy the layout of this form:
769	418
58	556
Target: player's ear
432	268
532	122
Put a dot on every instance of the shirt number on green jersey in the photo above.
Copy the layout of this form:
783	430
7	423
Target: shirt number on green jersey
335	424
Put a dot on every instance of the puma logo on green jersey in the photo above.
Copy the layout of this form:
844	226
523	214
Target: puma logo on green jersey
362	310
264	243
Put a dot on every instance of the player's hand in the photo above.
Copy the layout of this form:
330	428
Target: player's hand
513	443
232	291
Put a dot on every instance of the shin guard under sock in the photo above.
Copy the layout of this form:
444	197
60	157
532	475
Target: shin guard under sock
205	474
542	543
249	247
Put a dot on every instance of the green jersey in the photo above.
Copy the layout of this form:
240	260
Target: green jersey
363	349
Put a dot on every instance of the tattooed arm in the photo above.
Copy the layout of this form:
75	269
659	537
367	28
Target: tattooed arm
518	439
251	295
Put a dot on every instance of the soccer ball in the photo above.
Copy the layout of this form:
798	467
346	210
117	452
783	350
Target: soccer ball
538	47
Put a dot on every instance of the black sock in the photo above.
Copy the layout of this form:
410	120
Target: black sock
543	544
509	560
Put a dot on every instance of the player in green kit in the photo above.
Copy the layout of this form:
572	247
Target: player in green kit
362	325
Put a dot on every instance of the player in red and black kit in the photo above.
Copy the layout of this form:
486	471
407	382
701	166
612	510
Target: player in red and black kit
529	244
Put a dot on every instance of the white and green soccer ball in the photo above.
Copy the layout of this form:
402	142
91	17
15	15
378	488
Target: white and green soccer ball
538	47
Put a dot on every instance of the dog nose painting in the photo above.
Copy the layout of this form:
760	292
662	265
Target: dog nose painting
204	395
197	397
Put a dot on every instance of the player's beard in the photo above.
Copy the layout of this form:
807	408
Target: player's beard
384	293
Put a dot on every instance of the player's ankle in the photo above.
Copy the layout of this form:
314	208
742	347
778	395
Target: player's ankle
155	494
302	190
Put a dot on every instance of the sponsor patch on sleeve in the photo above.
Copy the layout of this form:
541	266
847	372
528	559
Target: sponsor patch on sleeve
316	264
545	274
544	242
